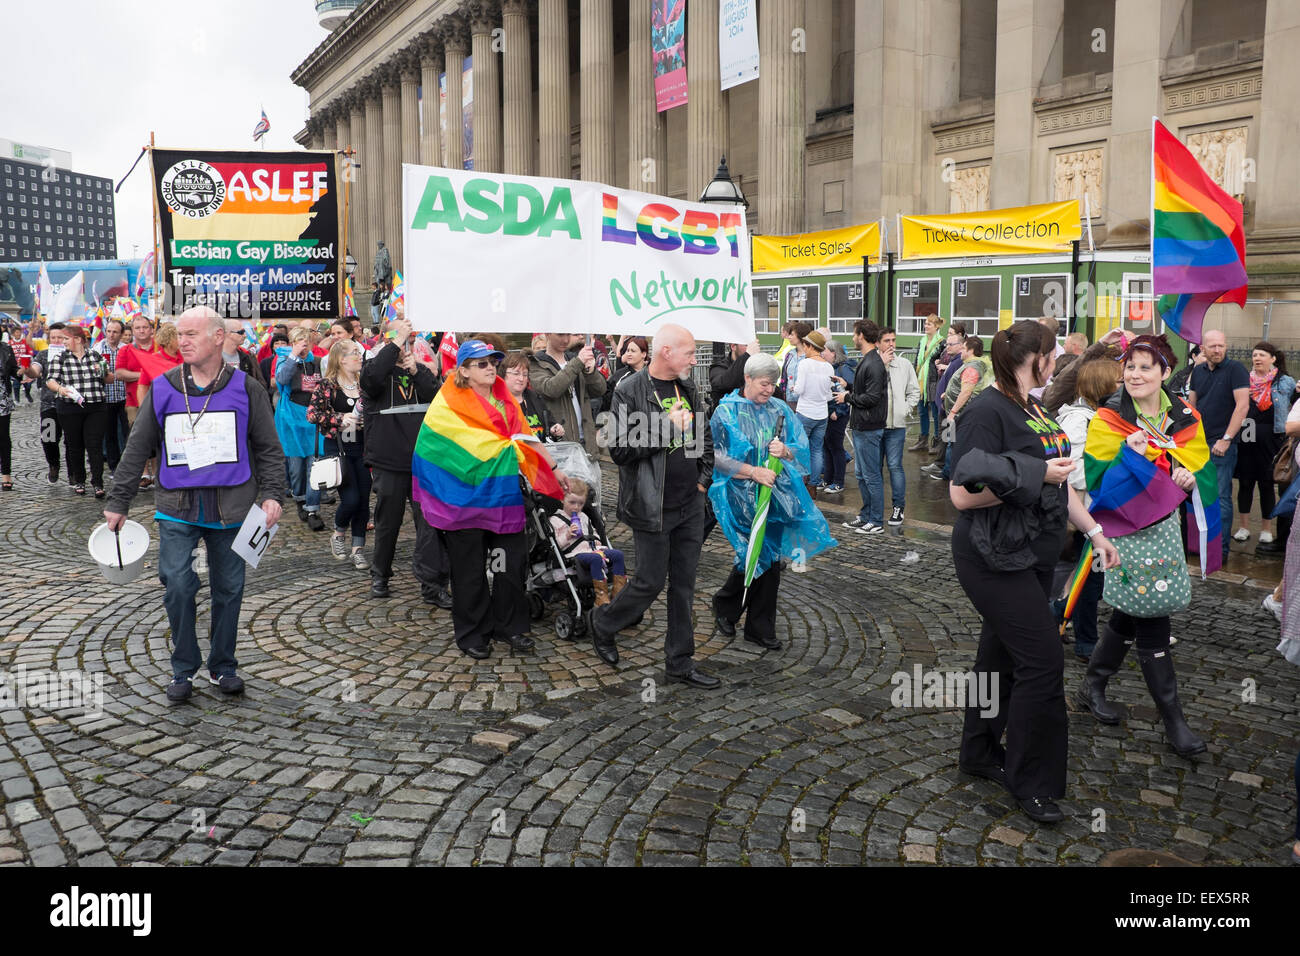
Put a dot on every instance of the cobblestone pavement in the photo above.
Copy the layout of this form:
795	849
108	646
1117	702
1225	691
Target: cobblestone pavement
365	738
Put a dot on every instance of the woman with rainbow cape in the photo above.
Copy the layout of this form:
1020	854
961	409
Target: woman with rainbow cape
1146	453
753	433
473	448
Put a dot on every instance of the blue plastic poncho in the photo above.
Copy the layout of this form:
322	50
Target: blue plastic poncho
742	431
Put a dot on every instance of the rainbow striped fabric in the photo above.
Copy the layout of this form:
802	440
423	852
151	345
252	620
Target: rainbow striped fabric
1198	244
1130	491
466	467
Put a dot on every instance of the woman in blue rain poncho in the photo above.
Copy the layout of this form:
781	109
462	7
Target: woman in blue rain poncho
760	450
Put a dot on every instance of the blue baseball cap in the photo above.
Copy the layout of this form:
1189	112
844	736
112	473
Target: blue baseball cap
476	348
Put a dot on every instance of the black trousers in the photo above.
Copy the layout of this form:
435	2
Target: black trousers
673	555
1150	633
115	429
1020	646
83	437
760	621
480	612
51	435
6	446
392	497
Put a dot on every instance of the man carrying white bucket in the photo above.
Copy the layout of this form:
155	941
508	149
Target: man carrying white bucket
220	456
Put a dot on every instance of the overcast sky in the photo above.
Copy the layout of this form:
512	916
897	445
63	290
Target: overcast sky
93	77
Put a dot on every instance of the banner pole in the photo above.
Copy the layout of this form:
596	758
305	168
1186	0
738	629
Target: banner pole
157	246
347	205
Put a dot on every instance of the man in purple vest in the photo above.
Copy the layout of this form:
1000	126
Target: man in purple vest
220	455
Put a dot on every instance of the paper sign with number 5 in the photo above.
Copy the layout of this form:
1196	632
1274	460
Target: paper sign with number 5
254	536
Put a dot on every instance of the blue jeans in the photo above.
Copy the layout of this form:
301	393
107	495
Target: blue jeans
816	429
1225	466
866	467
176	545
836	459
299	469
929	410
894	440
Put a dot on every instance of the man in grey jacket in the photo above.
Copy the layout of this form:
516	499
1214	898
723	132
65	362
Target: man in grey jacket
567	386
219	456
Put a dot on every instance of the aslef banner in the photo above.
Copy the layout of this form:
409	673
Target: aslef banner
251	234
493	252
1048	227
737	42
828	249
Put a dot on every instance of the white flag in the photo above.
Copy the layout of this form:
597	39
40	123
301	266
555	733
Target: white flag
69	299
44	291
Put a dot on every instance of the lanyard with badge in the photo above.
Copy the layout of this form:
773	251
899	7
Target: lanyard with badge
200	450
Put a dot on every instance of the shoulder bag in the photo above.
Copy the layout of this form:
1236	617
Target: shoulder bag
1151	580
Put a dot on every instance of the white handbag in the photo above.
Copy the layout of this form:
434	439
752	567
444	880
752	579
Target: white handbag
325	473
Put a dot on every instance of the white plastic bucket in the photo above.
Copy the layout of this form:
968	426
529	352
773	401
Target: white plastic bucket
125	567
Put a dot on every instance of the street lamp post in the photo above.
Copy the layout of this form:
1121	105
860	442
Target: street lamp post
721	189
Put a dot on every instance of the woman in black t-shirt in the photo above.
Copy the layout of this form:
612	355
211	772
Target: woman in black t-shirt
1004	560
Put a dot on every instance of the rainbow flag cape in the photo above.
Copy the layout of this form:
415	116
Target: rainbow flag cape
1198	243
466	466
1130	491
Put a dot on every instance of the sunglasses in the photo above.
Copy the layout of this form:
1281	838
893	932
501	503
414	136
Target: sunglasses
483	363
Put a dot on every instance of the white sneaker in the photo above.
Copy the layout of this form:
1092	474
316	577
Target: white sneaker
871	528
1243	534
1266	537
1275	606
338	546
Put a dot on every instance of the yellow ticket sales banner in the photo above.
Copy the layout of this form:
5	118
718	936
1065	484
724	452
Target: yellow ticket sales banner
1049	227
818	250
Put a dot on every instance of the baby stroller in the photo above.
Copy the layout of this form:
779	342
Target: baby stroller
554	579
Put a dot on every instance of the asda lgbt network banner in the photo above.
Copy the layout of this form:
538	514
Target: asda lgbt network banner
251	234
491	252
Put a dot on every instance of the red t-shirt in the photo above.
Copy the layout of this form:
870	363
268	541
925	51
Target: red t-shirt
128	360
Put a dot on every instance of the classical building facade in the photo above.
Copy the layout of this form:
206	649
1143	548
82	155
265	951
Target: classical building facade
863	109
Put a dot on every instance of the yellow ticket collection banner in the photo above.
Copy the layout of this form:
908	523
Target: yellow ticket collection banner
1049	227
818	250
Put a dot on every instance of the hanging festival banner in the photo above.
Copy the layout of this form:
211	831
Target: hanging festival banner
251	234
818	250
488	251
668	47
737	42
1048	227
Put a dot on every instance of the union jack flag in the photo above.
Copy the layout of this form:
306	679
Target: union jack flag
262	128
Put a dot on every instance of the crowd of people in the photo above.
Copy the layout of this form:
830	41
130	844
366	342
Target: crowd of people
1032	437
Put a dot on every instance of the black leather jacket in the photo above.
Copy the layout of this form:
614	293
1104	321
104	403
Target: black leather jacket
641	452
1004	534
866	395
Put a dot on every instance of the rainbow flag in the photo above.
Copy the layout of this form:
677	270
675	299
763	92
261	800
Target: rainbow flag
466	466
1130	491
1198	244
396	295
349	302
1077	581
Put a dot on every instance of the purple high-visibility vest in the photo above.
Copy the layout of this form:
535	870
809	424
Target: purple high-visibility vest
229	405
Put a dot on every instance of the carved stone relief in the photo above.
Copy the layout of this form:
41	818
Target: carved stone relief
969	189
1078	174
1222	154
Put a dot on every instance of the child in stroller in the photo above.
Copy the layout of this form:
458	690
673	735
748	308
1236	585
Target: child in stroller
555	576
573	533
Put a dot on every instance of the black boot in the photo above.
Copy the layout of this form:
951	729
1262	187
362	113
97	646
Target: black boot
1105	661
1158	669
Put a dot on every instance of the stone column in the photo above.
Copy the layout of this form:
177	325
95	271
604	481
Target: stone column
392	194
706	104
359	200
431	66
487	90
518	89
411	109
555	154
326	119
596	91
317	130
342	138
1027	32
372	174
647	133
780	118
1277	202
454	147
1143	35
